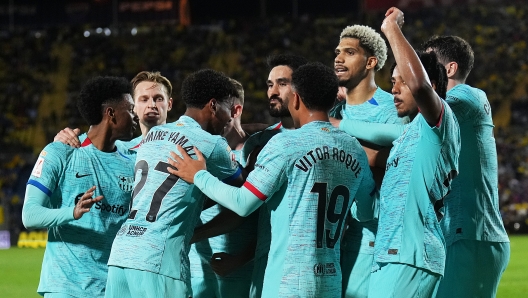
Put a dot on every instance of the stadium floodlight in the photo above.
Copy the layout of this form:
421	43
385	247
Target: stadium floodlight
133	31
99	30
86	33
107	32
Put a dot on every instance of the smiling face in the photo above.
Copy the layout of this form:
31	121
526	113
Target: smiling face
152	103
403	98
279	90
350	63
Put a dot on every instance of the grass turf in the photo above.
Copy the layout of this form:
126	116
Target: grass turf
20	270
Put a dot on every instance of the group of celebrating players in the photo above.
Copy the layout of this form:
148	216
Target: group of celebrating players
209	207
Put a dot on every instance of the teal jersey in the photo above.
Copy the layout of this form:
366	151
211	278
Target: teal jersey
472	206
379	109
319	171
126	145
419	170
77	251
260	139
165	209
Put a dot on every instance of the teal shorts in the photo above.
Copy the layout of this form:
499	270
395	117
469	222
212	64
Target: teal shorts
220	288
473	268
356	268
394	280
126	282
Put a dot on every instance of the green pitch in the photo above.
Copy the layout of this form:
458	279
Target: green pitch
20	269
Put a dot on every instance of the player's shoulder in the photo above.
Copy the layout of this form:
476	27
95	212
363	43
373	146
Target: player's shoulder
464	92
57	150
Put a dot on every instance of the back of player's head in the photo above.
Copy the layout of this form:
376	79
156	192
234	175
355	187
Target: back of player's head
435	71
200	87
240	90
370	40
100	91
152	76
317	86
452	49
290	60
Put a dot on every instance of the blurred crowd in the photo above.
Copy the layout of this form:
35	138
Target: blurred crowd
41	72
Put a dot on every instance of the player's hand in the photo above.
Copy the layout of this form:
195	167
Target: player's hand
393	16
85	203
224	264
69	136
335	122
185	167
341	93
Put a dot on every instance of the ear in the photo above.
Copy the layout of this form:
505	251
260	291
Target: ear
433	84
372	61
451	69
109	112
169	107
296	104
212	105
236	111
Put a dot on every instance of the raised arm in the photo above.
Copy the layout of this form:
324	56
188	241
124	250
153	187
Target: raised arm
410	67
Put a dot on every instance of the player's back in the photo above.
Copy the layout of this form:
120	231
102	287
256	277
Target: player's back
164	209
472	206
323	171
65	173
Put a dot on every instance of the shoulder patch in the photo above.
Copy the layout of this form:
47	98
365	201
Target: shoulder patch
37	170
43	153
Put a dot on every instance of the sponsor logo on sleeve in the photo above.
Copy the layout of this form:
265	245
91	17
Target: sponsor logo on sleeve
37	170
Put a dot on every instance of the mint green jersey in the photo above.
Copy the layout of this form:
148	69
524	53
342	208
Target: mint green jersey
319	172
418	174
472	206
75	260
165	209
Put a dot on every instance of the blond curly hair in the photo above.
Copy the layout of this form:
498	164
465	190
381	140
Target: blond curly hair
370	40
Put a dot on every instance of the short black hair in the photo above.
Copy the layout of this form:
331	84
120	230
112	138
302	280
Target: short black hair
317	85
200	87
435	71
290	60
100	91
452	49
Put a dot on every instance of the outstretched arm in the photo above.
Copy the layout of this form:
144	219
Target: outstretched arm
240	200
37	214
410	67
377	133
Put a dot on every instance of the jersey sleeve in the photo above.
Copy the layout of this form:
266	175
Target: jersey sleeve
462	101
240	200
270	171
366	201
377	133
442	131
222	162
37	211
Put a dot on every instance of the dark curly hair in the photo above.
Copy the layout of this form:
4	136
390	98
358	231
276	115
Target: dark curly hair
290	60
201	86
435	71
452	49
317	86
100	91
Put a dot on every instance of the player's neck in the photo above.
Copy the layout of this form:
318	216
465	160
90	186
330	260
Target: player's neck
306	116
236	136
287	122
363	92
101	138
452	83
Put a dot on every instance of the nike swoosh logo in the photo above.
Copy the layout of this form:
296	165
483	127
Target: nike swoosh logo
80	176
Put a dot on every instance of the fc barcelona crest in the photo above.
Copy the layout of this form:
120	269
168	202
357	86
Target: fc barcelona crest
126	183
